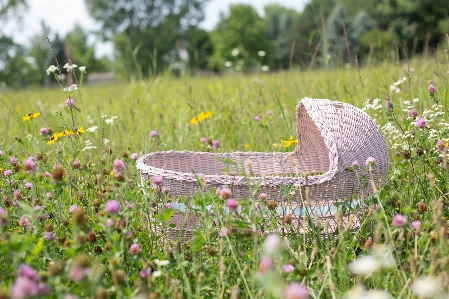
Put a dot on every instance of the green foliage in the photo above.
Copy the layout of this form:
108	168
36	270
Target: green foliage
243	30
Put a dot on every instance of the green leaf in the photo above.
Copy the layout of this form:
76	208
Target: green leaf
35	251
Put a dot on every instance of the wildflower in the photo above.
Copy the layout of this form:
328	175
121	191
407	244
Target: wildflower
23	221
364	265
232	204
355	163
257	118
119	165
370	161
384	254
165	189
43	131
153	133
224	232
70	103
161	262
265	68
70	67
420	123
431	88
58	173
399	220
376	294
295	290
143	273
228	64
287	143
156	274
28	185
26	271
50	236
266	263
216	144
204	115
427	287
134	156
24	288
135	249
112	206
440	145
157	180
72	209
77	273
203	140
416	225
413	113
82	69
76	164
235	52
17	194
51	69
92	129
193	121
7	172
247	146
261	53
388	105
47	174
1	152
80	130
269	112
109	222
52	139
29	165
288	268
30	116
272	243
13	161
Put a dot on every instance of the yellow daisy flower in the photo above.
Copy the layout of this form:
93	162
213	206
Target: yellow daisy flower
53	139
287	143
247	146
194	121
30	116
80	130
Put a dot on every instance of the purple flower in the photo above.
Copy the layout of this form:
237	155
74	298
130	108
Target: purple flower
119	165
224	232
112	206
269	112
76	164
165	189
109	222
388	105
420	123
232	204
157	179
70	103
128	205
399	220
355	163
7	172
28	185
76	274
47	174
224	192
13	161
50	236
216	144
370	161
23	288
26	271
72	209
288	268
413	113
43	289
203	139
1	152
440	145
49	195
17	194
431	88
295	290
263	196
143	273
416	225
257	118
23	221
153	133
135	249
29	165
3	212
272	243
266	263
43	131
134	156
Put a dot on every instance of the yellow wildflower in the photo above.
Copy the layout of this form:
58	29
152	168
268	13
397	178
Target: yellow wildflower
53	139
80	130
194	121
247	146
202	116
30	116
287	143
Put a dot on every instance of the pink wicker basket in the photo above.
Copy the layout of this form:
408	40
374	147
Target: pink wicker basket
331	137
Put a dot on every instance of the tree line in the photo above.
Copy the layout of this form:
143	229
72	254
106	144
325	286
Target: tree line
150	37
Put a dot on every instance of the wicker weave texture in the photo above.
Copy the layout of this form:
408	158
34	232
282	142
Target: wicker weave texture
331	136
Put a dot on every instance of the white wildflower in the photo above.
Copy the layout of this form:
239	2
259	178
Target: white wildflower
384	254
265	68
364	265
105	141
235	52
261	53
82	69
228	64
355	292
70	67
156	273
161	262
51	69
376	294
109	121
427	287
92	129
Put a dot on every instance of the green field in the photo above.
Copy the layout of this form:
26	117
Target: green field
87	252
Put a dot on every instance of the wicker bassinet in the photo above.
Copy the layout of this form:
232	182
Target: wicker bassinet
331	137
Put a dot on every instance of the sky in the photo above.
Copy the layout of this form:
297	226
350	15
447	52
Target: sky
61	16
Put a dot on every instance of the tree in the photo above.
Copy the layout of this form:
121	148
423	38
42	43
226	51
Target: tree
39	51
11	9
145	32
280	22
238	38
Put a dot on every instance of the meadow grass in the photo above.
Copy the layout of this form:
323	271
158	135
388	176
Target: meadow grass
74	210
